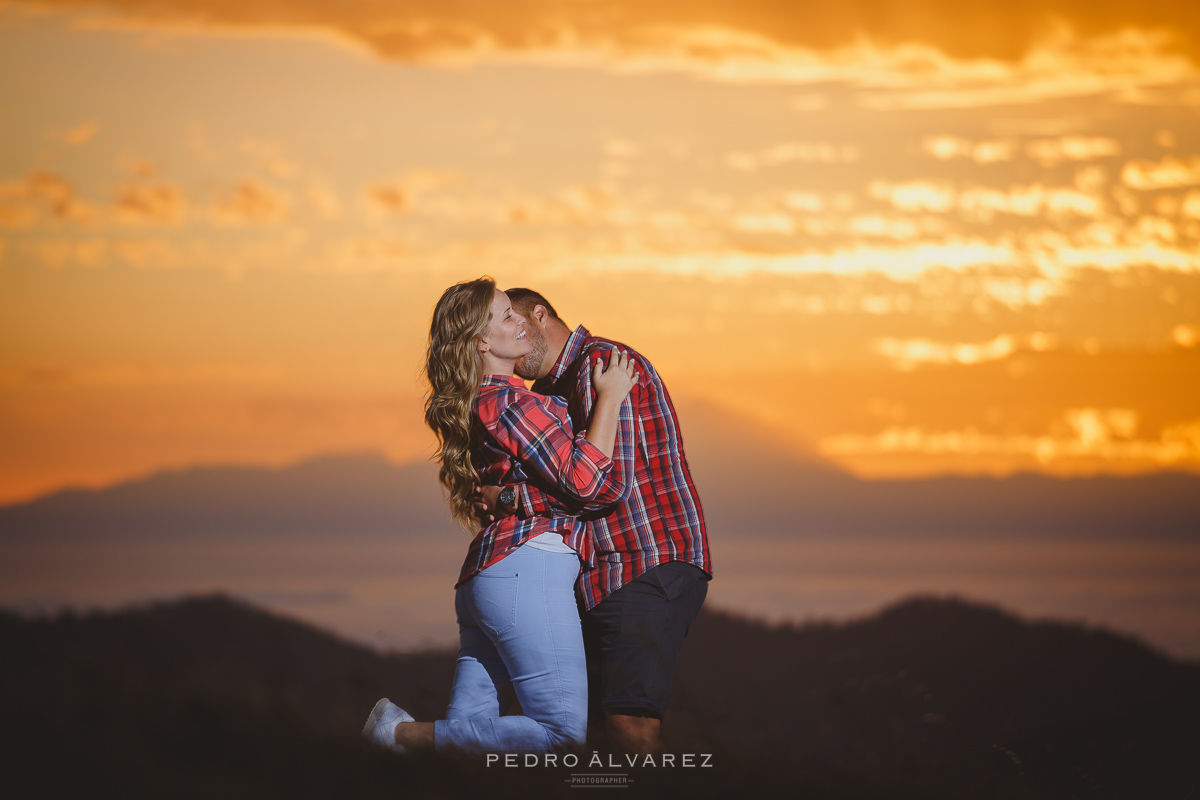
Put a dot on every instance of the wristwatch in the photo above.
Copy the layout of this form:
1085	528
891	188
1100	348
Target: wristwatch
508	496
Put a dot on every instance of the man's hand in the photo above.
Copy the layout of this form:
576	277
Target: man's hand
487	506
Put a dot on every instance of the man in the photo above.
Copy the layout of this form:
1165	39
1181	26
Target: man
652	558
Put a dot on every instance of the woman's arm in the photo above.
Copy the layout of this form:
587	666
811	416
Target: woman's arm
612	387
529	429
533	502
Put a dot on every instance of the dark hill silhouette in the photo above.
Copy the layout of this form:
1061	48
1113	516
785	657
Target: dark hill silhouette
931	698
933	693
751	486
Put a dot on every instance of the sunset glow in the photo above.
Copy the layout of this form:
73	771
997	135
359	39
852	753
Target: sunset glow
910	246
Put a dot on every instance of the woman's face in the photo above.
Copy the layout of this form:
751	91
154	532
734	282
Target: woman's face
505	337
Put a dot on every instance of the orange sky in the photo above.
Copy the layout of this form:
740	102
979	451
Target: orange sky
910	239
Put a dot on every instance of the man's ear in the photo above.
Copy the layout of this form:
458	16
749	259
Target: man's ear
541	314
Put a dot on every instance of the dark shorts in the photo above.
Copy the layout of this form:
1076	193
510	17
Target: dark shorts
633	637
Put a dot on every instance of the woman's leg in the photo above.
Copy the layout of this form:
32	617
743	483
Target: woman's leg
525	608
482	689
481	685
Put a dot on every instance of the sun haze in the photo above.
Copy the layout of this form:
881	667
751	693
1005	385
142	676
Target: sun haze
908	238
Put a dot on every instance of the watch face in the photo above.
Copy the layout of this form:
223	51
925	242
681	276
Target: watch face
507	495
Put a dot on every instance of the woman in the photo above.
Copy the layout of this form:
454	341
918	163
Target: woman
518	623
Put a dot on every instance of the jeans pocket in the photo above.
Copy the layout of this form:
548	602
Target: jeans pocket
496	602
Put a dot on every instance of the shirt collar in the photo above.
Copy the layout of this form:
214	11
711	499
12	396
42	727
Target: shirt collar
502	380
570	352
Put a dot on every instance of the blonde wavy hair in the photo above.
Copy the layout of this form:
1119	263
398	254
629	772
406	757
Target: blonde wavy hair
454	369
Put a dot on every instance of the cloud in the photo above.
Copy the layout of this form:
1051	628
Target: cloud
160	203
763	222
1047	152
906	262
914	196
1135	66
911	353
16	210
80	134
41	196
1150	228
58	253
1190	207
882	227
414	29
387	199
908	353
1016	269
1081	433
811	152
251	203
805	202
982	203
1050	152
1168	173
989	52
390	198
1031	200
988	151
580	205
810	222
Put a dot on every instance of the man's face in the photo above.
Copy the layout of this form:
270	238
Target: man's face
530	365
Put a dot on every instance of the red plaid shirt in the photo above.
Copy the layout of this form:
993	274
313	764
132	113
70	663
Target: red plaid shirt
519	437
658	518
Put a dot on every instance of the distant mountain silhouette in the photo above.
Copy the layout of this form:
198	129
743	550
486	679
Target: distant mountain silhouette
751	487
931	698
325	496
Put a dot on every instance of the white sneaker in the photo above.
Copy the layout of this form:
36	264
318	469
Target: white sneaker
381	725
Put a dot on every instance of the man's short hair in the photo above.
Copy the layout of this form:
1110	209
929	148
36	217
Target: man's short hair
523	300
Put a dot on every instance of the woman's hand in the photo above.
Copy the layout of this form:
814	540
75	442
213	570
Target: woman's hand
614	383
612	386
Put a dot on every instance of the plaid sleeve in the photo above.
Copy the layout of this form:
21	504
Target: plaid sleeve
626	444
545	445
534	502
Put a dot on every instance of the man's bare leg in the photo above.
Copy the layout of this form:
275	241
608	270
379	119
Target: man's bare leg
632	734
415	735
